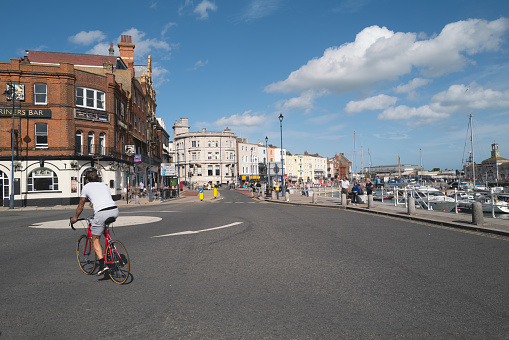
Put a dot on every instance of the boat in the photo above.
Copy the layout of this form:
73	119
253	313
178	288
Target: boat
434	199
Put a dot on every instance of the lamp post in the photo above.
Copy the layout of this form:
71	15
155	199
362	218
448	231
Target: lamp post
12	92
282	158
149	120
266	159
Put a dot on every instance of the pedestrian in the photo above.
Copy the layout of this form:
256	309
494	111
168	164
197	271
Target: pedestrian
258	188
355	192
345	186
369	187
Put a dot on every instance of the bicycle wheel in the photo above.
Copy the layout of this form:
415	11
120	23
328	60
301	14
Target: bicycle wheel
118	261
85	254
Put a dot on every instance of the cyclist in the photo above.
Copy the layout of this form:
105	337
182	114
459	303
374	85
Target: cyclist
104	207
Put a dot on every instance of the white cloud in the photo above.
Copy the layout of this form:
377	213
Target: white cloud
461	99
304	102
167	27
379	54
144	46
159	75
245	119
200	63
412	85
379	102
102	49
87	38
392	135
258	9
413	115
202	9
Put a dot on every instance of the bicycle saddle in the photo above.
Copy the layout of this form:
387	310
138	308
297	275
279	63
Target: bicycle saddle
110	220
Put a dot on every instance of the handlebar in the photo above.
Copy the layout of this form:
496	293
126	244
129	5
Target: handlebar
79	219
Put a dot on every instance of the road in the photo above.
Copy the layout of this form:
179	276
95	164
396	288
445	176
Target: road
237	268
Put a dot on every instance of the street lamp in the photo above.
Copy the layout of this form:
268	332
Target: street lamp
266	159
282	160
11	85
149	121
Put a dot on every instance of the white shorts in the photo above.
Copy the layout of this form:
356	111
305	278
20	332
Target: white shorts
100	217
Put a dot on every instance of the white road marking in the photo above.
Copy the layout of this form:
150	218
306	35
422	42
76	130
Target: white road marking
121	221
160	211
189	232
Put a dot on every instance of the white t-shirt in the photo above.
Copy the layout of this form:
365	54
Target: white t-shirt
345	184
98	194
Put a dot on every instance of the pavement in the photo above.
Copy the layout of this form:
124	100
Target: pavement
498	226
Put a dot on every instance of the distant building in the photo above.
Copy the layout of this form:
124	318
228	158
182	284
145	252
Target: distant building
303	168
204	156
495	168
393	170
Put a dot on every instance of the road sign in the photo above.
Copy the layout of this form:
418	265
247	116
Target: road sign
276	169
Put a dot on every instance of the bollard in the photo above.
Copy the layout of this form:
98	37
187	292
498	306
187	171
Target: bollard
201	194
252	193
477	214
411	205
315	197
273	194
288	196
343	199
215	192
370	201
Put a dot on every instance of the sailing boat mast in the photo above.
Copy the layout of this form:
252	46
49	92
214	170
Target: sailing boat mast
472	146
354	156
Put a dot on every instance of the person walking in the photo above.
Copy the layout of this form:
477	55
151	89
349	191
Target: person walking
344	186
355	192
369	187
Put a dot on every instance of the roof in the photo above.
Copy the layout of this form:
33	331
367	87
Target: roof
77	59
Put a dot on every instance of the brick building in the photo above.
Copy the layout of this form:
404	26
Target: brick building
73	112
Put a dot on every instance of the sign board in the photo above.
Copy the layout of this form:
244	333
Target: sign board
276	169
129	150
167	169
137	158
25	113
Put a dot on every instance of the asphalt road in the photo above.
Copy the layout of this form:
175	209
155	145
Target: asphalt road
237	268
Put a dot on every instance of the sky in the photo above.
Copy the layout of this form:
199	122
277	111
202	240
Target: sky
373	79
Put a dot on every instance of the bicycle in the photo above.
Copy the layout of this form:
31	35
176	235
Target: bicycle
115	254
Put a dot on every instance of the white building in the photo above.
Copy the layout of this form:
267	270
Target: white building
247	160
205	156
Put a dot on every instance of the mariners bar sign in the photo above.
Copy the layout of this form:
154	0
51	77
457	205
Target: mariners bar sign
26	113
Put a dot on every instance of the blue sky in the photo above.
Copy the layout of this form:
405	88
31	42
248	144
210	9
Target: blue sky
404	75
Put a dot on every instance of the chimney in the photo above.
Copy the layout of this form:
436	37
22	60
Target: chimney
126	48
111	50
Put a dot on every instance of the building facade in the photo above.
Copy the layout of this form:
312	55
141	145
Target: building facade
204	157
71	113
247	160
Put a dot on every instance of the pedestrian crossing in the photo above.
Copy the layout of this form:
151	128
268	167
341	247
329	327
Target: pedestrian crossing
241	202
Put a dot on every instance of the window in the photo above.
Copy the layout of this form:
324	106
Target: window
193	144
210	170
40	94
78	142
89	98
102	143
209	156
217	170
41	135
42	179
90	142
199	170
122	109
217	155
193	156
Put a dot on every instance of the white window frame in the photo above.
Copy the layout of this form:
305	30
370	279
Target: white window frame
39	133
38	94
93	95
